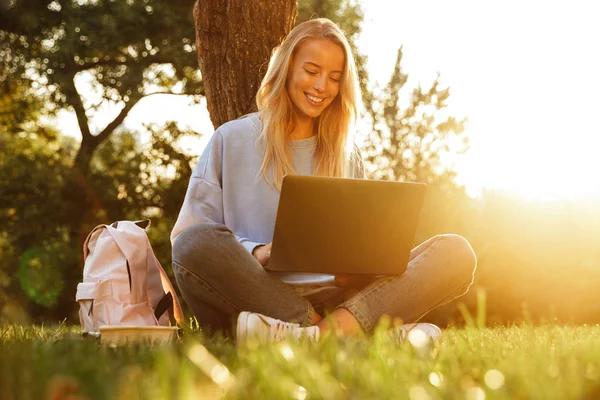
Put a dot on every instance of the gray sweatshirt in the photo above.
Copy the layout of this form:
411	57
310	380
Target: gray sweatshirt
225	187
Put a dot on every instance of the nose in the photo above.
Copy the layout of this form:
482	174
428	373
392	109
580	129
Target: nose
320	82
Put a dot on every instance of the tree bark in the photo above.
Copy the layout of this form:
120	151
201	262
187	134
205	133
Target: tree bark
234	40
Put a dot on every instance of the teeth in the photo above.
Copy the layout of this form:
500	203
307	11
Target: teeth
315	99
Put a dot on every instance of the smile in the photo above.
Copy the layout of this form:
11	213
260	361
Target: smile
313	99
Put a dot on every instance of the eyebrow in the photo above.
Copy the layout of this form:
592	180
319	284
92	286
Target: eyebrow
318	66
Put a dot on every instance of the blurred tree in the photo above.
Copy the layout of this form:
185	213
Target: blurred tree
115	52
39	266
347	14
34	242
415	142
124	50
15	105
87	56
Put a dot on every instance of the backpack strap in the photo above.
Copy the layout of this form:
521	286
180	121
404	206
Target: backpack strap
136	256
176	310
165	304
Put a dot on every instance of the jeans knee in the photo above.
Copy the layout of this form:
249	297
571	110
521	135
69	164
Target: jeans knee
195	242
463	258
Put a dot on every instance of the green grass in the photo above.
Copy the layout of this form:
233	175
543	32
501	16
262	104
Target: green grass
548	362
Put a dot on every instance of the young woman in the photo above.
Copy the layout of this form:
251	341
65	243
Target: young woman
308	103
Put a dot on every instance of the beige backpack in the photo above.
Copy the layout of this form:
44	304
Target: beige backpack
123	282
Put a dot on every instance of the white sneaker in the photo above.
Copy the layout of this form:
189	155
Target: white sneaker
418	332
266	329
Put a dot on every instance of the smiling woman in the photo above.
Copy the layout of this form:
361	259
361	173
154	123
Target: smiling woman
308	104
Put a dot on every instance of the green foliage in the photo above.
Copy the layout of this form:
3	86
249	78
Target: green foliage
81	56
39	266
548	362
410	143
16	105
142	180
348	14
32	168
33	249
41	283
123	45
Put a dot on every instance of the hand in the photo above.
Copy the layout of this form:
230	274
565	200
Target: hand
263	254
351	279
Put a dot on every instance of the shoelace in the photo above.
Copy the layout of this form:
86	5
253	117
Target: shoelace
282	329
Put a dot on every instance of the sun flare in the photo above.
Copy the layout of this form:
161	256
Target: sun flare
529	92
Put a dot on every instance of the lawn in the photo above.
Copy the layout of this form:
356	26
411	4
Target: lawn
520	362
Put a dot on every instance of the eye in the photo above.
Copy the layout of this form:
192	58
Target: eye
335	80
310	72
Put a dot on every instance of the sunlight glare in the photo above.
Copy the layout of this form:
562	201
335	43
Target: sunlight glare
475	393
300	393
531	109
591	372
494	379
286	352
220	375
418	393
553	370
436	379
210	365
417	337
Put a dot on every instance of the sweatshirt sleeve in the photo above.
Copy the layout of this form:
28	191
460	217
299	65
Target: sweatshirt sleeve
204	198
247	243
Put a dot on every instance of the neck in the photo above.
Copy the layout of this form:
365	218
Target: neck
303	129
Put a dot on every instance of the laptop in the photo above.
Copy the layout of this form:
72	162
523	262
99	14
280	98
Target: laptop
345	226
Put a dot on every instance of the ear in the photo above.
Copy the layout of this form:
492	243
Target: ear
143	224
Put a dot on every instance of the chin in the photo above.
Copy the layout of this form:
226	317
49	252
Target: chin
302	114
314	113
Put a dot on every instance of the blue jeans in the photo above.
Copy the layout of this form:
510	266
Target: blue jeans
219	278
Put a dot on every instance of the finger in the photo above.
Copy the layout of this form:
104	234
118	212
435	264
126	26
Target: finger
341	279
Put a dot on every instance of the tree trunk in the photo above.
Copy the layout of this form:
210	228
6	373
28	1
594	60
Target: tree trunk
234	40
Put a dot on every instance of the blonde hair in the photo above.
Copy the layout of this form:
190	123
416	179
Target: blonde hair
335	125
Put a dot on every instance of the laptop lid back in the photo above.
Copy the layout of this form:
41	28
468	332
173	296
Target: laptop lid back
335	225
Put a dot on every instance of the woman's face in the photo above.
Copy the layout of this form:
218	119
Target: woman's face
314	77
